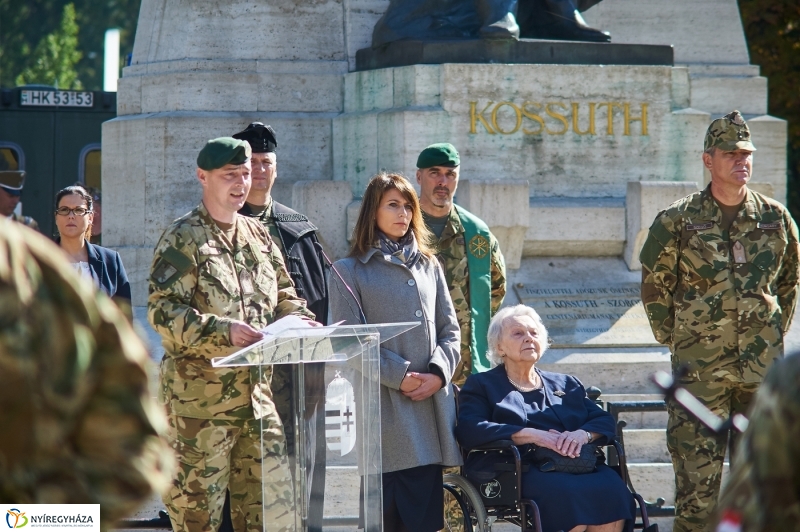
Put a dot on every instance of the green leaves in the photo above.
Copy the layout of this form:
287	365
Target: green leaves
54	59
34	43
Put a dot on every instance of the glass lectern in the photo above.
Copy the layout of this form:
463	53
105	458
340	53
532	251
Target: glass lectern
329	378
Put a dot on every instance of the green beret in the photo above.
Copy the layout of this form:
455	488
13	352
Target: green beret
12	179
442	154
729	133
224	150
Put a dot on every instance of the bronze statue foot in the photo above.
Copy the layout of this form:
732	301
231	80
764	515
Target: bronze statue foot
497	17
560	20
506	28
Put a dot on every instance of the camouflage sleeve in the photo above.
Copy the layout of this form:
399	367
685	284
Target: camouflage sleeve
787	279
86	428
498	270
764	482
659	258
173	282
118	433
288	301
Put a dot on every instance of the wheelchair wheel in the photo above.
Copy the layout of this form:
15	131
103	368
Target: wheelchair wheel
461	497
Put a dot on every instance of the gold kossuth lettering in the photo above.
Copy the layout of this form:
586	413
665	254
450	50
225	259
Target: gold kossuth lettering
561	118
474	115
641	118
517	112
533	116
575	114
610	115
494	120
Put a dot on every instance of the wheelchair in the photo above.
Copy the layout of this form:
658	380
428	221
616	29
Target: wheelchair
500	499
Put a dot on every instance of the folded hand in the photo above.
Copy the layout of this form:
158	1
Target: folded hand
430	384
570	443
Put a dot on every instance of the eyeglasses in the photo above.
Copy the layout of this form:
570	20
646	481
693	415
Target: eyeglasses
77	211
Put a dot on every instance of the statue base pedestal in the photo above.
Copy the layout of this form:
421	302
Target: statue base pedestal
524	51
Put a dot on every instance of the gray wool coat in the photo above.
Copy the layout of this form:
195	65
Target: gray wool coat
413	433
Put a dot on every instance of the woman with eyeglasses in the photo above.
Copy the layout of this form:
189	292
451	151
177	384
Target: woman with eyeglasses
104	266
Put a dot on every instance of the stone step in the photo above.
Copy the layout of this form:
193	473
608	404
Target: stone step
652	481
613	370
646	446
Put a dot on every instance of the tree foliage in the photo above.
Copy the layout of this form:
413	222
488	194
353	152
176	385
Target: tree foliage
772	28
54	59
24	23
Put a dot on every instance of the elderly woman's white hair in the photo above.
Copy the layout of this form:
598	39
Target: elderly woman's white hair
496	330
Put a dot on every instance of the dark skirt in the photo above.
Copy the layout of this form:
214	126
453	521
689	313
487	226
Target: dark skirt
416	497
566	500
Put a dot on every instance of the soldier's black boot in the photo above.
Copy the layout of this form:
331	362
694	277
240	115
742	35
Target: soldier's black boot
559	20
498	19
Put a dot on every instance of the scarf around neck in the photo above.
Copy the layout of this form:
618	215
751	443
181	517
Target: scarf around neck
405	249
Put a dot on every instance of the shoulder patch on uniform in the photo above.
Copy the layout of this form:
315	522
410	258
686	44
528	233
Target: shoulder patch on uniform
699	227
171	265
765	225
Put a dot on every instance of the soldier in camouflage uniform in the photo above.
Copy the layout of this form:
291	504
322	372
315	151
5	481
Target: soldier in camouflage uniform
217	279
763	491
438	171
11	183
719	285
79	423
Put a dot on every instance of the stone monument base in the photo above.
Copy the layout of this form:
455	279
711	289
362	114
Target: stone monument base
524	51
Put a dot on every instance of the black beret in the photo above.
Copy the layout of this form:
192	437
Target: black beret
260	137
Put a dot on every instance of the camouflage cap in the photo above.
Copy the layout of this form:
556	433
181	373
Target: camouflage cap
221	151
729	133
12	180
441	154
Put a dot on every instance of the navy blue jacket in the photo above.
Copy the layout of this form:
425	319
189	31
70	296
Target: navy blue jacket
491	409
106	265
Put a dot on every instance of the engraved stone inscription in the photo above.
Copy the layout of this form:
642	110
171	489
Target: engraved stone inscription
600	316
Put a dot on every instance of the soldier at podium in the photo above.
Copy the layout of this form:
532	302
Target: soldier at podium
218	278
296	238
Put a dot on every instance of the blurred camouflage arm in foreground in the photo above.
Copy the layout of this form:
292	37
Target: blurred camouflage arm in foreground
173	285
659	258
789	275
498	272
764	485
80	425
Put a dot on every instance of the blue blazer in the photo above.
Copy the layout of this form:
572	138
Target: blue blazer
106	265
491	409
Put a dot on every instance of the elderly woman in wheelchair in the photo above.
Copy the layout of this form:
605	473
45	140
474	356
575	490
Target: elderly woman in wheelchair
555	425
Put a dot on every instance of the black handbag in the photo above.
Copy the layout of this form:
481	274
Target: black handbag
549	460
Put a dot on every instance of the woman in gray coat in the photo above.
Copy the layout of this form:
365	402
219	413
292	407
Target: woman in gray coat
393	272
